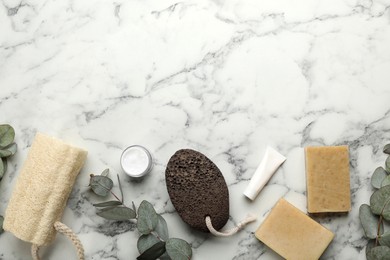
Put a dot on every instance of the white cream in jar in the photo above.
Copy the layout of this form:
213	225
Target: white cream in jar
136	161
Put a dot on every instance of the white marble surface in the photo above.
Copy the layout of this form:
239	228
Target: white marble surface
226	78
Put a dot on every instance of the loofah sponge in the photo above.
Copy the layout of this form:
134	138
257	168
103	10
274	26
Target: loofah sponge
42	189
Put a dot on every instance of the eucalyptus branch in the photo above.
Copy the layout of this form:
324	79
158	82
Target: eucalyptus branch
378	234
120	188
7	149
373	216
154	233
154	240
116	197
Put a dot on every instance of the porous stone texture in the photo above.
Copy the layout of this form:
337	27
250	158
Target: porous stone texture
197	189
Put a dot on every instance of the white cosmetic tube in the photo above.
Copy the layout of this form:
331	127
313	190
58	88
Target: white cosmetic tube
268	166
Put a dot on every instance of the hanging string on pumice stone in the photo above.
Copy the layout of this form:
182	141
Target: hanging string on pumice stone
232	231
199	193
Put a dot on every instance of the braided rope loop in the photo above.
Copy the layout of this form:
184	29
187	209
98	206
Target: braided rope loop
227	233
65	230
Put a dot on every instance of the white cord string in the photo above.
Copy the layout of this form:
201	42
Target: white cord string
65	230
227	233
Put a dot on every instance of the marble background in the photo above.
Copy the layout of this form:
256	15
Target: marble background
226	78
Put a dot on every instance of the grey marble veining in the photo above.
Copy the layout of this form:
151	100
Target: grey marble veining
226	78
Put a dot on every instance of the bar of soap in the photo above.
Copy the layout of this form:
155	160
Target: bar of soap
292	234
327	179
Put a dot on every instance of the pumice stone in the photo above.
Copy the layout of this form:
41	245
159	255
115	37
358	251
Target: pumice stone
197	189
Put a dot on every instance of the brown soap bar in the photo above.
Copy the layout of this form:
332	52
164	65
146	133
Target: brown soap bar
197	189
327	179
292	234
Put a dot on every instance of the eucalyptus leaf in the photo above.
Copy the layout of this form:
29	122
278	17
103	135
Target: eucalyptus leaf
162	228
387	163
386	181
1	224
134	208
5	153
147	218
105	172
384	239
165	256
178	249
2	167
377	177
145	242
369	221
12	148
386	149
101	185
370	245
379	253
7	135
117	213
108	203
5	164
380	202
154	252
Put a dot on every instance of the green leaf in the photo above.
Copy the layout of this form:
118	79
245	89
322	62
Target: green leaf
134	208
7	135
387	163
379	253
5	153
165	256
105	172
147	218
380	202
5	163
1	224
154	252
384	239
101	185
145	242
162	228
377	177
369	221
386	149
386	181
3	167
117	213
8	150
370	245
178	249
12	148
108	203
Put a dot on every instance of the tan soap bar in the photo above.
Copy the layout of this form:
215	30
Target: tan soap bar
327	179
42	189
292	234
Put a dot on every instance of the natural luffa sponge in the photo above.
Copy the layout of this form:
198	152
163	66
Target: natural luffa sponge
42	189
197	189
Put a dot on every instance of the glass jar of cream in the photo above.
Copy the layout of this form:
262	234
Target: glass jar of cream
136	161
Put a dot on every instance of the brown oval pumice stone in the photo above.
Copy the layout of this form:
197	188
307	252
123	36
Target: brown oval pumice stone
197	189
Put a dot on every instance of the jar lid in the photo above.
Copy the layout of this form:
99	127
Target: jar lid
136	161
